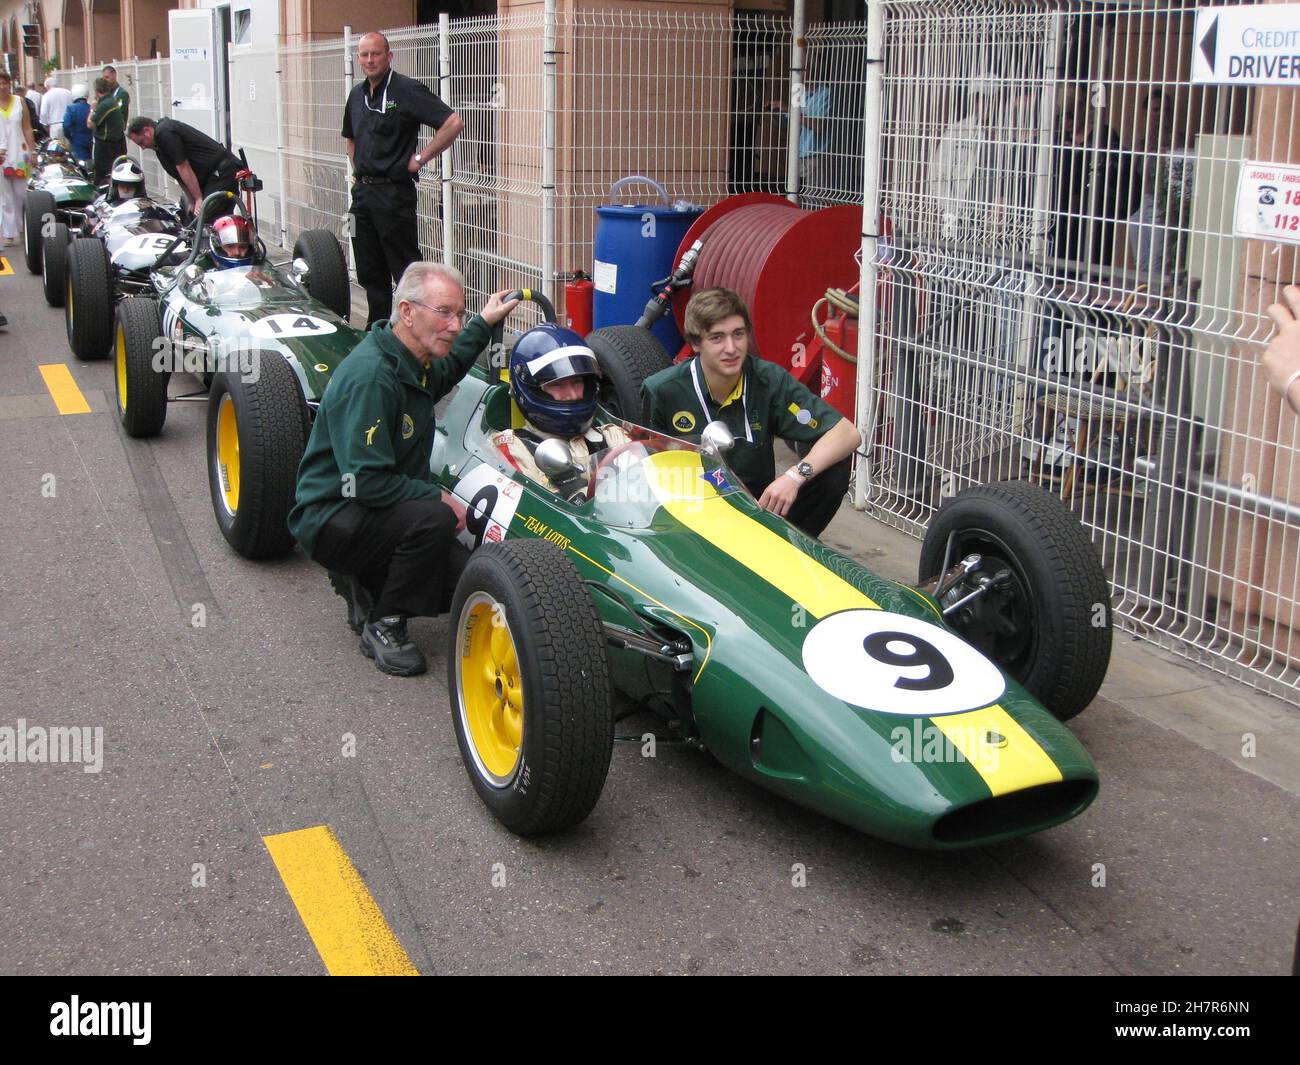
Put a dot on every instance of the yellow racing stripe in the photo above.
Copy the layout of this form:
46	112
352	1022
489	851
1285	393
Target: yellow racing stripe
341	916
677	479
63	389
1013	765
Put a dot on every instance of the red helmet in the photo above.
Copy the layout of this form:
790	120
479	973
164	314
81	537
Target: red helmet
232	241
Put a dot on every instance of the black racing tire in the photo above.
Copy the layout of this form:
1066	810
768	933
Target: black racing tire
141	390
257	431
627	355
327	276
54	265
88	312
1050	628
38	208
539	768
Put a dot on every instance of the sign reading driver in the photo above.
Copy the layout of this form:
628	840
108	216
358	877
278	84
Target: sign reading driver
1257	45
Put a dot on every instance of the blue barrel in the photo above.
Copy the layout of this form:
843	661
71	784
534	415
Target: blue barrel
634	248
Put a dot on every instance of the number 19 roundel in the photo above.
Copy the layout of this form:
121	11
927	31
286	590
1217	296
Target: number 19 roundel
898	665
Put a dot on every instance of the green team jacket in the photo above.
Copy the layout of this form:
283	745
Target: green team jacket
375	423
767	402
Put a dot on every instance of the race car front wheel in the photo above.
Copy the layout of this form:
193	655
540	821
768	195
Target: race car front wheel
327	270
54	265
141	389
529	685
88	312
1046	619
37	208
257	429
627	355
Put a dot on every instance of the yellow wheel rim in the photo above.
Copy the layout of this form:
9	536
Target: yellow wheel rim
491	694
228	454
121	368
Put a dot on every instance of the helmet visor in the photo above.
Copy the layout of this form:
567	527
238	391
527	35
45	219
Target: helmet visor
555	365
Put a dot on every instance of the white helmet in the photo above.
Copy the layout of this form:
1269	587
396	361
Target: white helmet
78	91
127	179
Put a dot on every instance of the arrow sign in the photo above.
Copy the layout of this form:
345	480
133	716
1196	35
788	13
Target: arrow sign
1254	45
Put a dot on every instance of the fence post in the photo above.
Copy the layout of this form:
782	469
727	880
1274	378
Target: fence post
444	90
548	148
871	152
347	177
794	113
279	138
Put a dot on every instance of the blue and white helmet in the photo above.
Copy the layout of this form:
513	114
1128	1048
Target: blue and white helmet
549	353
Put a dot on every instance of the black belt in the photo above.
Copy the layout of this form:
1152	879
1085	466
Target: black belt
366	179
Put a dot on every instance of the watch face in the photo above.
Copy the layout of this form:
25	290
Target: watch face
805	470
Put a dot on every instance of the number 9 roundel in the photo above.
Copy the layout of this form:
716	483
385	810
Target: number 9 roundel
898	665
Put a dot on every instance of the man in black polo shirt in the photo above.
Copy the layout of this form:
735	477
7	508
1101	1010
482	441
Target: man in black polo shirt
758	400
381	123
201	165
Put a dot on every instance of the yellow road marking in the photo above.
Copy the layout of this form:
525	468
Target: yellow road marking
676	477
1018	764
342	918
63	389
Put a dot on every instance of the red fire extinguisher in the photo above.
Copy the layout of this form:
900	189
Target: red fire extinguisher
579	302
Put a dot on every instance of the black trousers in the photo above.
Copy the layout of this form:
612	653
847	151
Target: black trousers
820	498
405	555
385	240
105	153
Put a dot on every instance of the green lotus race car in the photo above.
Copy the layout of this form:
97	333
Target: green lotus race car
58	193
929	716
262	340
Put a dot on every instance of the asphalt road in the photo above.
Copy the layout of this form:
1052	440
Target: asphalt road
265	720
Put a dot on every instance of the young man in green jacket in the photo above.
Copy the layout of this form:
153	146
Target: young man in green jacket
367	507
759	401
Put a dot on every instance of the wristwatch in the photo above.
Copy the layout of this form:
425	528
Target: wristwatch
417	158
802	472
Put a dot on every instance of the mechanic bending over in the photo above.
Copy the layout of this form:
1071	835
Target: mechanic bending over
553	381
758	400
199	164
367	507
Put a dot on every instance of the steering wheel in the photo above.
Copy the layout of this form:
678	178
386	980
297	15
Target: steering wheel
610	455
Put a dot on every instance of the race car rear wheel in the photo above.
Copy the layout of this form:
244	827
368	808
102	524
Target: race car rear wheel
627	356
327	276
54	265
529	685
141	390
37	208
257	430
88	312
1049	624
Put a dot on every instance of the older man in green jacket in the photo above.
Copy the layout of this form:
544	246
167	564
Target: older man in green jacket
367	507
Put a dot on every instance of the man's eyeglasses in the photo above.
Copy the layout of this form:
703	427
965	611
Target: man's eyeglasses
445	313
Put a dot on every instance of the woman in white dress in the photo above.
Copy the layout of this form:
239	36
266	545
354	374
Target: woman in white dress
16	140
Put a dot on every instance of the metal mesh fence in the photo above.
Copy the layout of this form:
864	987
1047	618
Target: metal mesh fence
1062	299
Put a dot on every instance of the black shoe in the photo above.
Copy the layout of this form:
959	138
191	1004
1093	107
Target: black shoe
388	644
355	595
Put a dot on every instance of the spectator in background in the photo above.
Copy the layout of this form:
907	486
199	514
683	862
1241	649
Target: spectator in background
1157	228
16	140
958	165
110	129
1282	356
1093	188
76	127
33	111
119	94
53	104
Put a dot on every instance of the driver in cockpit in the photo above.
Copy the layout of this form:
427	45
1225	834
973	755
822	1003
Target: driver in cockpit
126	181
553	381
